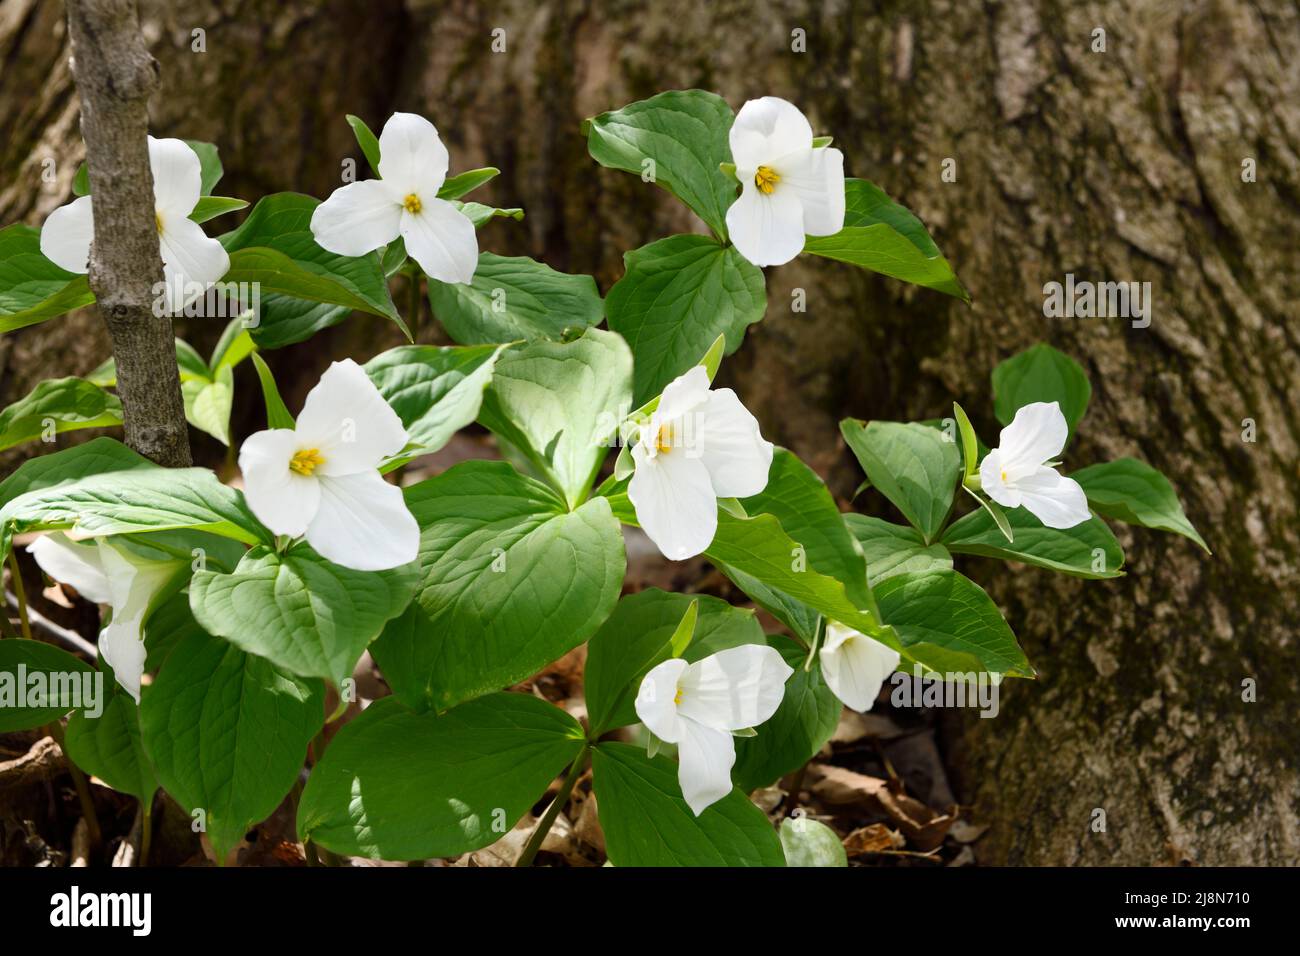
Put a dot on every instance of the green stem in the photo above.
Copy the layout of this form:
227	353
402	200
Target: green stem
548	818
21	593
82	787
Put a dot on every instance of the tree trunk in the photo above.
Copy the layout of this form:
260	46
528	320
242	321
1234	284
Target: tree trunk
1123	165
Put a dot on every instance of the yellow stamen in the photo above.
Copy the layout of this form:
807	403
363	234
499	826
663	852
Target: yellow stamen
664	438
677	698
306	461
766	179
157	221
412	204
1004	476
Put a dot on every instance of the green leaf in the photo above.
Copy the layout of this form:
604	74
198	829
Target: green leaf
647	823
67	404
367	140
676	296
480	215
970	454
1040	374
435	391
560	403
1087	550
894	548
303	613
808	842
109	746
94	457
953	616
805	720
397	785
166	626
994	511
912	465
1132	491
40	683
210	207
685	134
510	581
639	635
466	182
208	403
885	237
32	288
514	297
277	414
228	732
233	347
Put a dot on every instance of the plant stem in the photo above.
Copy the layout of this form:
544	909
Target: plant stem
414	303
548	818
21	592
82	787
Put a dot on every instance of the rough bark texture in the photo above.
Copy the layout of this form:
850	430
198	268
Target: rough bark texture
1124	165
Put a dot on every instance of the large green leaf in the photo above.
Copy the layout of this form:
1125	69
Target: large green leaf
435	391
512	298
637	636
1132	491
647	823
94	457
884	237
303	613
685	135
808	715
560	404
894	548
227	732
912	465
945	610
1087	550
109	746
677	295
32	288
510	581
40	683
66	404
1040	374
397	785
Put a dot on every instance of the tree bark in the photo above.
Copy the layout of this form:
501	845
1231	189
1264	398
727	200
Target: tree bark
1124	165
115	76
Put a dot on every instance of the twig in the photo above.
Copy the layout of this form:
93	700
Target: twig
61	634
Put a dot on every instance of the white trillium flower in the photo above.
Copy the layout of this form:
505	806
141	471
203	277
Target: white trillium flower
190	257
321	478
363	216
1017	474
117	576
698	706
789	188
855	666
699	445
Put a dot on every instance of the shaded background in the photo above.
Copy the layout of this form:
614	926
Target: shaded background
1116	166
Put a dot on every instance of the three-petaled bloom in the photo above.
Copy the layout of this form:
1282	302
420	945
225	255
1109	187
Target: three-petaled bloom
192	260
855	666
111	574
1017	474
699	445
698	707
403	202
321	478
789	187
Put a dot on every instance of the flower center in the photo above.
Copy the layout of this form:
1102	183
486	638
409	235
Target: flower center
1004	476
412	204
157	220
766	179
664	438
306	460
677	698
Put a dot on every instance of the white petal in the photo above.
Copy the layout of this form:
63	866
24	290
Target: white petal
817	177
683	394
767	229
122	645
442	240
189	256
363	523
348	422
1000	489
767	128
75	563
737	456
411	155
855	666
1037	434
357	218
656	699
177	177
705	757
734	689
283	500
1053	499
67	234
674	501
133	581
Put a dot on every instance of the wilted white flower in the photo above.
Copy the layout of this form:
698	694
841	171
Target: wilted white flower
698	706
855	666
404	202
1017	474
